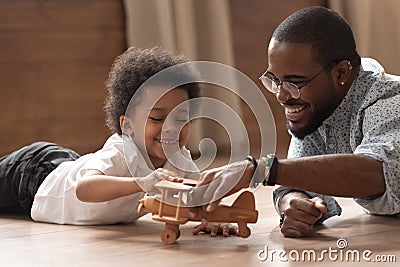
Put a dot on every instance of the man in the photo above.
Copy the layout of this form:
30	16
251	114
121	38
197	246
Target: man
344	117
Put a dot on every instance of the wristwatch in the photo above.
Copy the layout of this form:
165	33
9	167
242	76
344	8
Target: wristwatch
269	165
271	168
281	219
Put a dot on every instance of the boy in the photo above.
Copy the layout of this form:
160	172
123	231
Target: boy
53	184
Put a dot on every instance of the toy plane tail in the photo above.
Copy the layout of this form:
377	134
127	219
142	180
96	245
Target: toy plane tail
245	200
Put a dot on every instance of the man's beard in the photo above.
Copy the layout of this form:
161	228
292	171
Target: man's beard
311	127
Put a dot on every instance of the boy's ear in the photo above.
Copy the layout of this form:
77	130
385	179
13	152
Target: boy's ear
126	125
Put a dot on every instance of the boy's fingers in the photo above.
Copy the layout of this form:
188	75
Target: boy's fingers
166	172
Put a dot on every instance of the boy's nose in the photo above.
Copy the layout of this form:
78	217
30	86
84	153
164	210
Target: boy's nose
170	125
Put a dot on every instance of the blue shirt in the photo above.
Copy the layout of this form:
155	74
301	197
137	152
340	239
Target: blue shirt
366	122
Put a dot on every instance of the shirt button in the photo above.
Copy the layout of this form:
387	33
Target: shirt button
331	146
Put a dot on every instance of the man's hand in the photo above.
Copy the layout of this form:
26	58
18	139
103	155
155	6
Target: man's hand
219	182
301	214
214	229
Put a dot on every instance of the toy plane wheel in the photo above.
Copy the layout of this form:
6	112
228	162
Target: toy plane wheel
170	234
244	231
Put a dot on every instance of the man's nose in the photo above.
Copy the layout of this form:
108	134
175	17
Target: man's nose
282	95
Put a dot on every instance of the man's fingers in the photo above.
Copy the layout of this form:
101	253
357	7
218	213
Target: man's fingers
292	227
214	230
202	227
319	204
192	213
211	207
226	230
301	216
197	229
291	232
305	205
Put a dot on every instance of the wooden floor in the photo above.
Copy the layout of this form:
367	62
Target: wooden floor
27	243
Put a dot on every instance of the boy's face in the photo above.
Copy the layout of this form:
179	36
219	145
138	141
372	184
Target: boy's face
165	124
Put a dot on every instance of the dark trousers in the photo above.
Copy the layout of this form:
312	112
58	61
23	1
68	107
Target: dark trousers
23	171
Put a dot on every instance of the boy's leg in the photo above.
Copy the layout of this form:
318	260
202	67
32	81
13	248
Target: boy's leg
9	181
22	172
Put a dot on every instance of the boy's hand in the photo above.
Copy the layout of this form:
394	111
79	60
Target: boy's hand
169	175
214	229
148	182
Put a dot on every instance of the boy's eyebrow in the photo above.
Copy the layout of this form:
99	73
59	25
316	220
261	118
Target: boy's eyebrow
161	109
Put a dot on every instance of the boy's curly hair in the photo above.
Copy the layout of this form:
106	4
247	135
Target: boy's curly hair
130	70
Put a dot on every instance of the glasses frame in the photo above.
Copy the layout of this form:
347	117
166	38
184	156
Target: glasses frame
280	84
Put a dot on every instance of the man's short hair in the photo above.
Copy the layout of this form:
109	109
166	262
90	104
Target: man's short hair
324	29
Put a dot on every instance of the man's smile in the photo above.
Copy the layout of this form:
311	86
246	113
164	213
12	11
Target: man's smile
294	112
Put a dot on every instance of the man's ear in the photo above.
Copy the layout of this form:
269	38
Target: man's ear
126	125
343	72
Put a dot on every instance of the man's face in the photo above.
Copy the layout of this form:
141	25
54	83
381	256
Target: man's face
293	63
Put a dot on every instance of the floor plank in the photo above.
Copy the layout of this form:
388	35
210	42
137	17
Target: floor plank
27	243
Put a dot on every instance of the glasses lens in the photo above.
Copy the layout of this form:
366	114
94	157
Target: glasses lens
269	84
292	89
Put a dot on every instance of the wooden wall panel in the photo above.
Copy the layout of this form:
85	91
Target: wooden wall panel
54	59
253	22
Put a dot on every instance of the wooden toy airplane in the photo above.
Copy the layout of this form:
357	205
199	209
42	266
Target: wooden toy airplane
241	212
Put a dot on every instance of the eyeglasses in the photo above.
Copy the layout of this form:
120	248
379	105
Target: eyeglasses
272	83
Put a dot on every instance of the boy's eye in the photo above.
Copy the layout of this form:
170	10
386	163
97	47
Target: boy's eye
181	120
156	119
160	119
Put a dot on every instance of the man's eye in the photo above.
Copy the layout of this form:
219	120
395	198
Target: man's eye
297	83
156	119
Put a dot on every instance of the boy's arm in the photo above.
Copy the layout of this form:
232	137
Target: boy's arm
97	187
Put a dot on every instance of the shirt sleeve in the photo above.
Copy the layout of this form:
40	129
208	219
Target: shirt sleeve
111	160
381	128
302	148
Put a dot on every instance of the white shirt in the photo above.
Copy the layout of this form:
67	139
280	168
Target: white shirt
56	200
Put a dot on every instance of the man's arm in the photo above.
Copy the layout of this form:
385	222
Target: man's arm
302	212
342	175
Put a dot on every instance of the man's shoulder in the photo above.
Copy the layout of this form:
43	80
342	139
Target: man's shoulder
380	85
